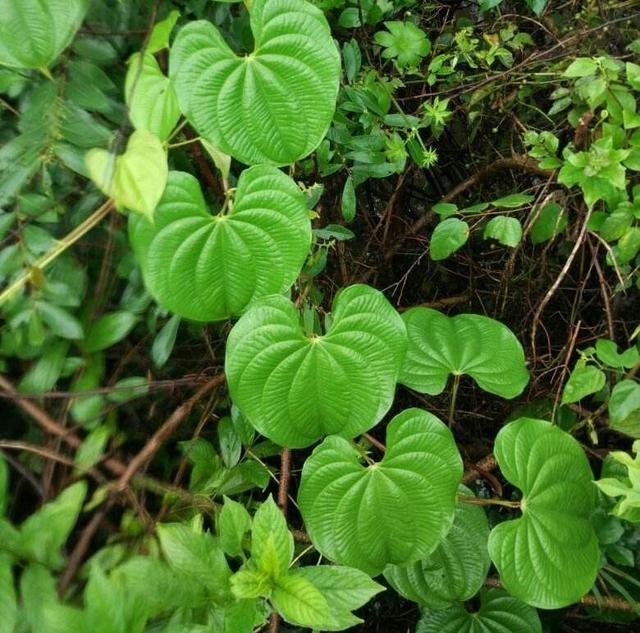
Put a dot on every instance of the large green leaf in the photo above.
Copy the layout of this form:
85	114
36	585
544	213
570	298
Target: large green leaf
271	106
152	101
136	179
457	568
549	556
34	32
296	387
498	613
209	267
472	344
392	512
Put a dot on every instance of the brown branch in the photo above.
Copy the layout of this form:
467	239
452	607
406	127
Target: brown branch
203	165
485	465
374	442
167	429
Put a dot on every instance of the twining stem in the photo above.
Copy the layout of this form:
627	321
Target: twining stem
454	396
475	501
60	247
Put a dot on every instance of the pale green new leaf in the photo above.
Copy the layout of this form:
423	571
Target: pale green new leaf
34	32
271	106
151	99
271	541
209	267
393	512
295	388
233	523
136	179
583	381
457	568
472	344
549	556
299	602
159	37
498	613
344	588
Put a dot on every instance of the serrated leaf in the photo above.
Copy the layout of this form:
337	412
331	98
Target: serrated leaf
33	33
136	179
299	602
506	230
209	267
472	344
296	387
272	106
448	236
271	541
150	97
583	381
498	613
394	512
549	556
457	568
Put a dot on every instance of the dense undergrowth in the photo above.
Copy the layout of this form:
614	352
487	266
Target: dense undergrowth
391	383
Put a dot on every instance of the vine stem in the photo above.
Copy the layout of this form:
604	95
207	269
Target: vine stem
66	242
454	397
476	501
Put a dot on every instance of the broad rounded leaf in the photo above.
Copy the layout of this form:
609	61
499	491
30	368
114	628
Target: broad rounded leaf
498	613
549	556
393	512
151	99
448	236
472	344
457	568
34	32
295	388
506	230
624	408
209	267
271	106
136	179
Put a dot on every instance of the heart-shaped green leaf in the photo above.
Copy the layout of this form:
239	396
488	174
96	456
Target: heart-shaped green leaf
498	613
392	512
208	267
134	180
33	33
457	568
471	344
295	388
151	99
549	556
271	106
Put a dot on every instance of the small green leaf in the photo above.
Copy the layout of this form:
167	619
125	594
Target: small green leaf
271	541
150	97
551	221
393	512
299	602
272	106
233	523
498	613
404	42
61	322
472	344
108	330
607	353
506	230
448	236
129	388
624	408
164	341
583	381
342	382
547	568
581	67
159	37
136	179
512	201
92	448
186	253
458	567
348	200
445	209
